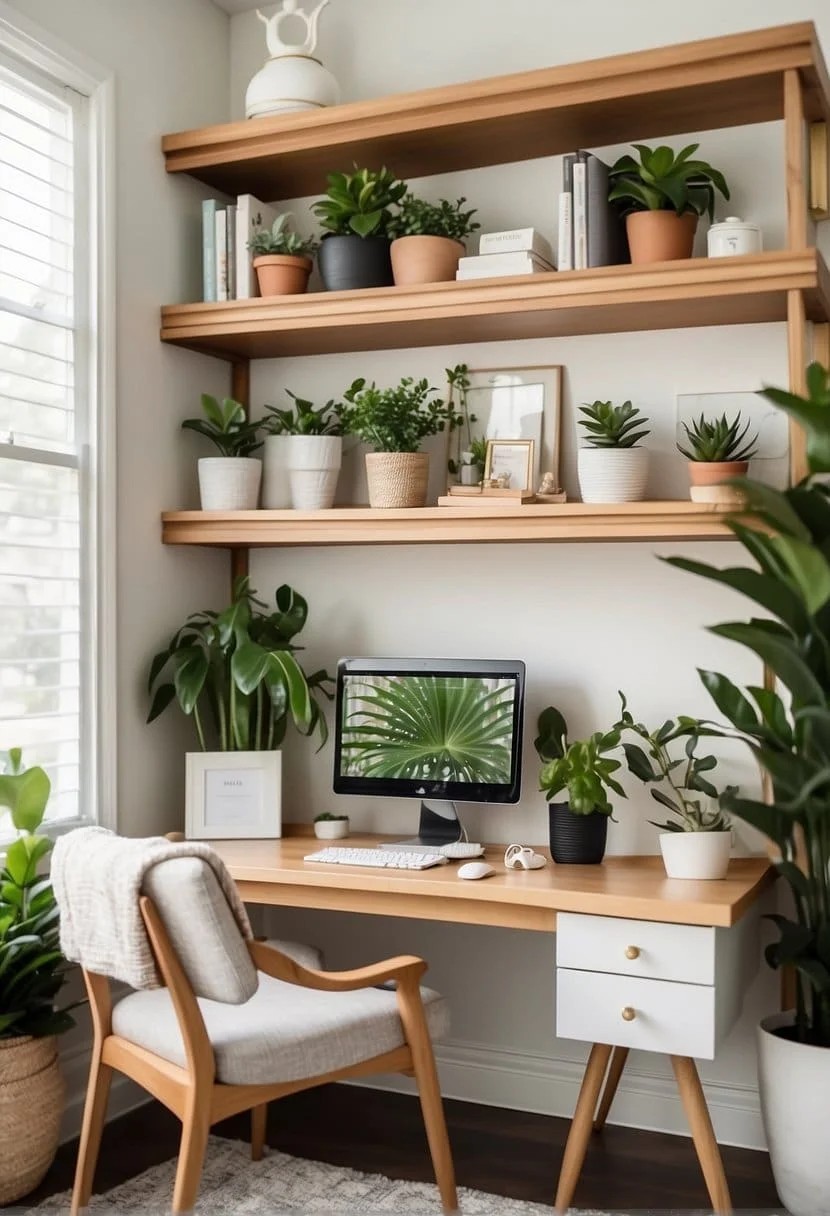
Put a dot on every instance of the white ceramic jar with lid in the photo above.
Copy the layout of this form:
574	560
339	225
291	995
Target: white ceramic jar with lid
733	236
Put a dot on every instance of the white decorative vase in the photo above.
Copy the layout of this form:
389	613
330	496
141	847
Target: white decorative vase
700	855
313	463
292	79
612	474
331	829
794	1082
229	483
276	491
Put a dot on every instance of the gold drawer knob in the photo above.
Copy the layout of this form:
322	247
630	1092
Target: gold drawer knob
629	1014
632	952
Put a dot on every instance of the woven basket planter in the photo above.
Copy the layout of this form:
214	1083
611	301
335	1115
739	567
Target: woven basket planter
397	479
31	1107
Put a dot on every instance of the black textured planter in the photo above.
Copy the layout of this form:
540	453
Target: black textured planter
576	840
349	263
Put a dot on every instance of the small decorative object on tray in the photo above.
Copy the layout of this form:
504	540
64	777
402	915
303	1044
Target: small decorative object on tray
549	490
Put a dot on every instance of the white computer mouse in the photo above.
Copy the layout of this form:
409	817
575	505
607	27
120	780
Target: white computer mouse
475	869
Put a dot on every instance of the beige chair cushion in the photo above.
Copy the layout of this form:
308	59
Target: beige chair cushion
283	1033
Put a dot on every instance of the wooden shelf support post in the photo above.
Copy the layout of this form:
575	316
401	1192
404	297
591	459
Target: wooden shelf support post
819	171
240	391
796	184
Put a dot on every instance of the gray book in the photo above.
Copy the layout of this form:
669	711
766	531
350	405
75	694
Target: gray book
607	244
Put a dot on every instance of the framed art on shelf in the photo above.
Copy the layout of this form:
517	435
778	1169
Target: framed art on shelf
514	457
233	795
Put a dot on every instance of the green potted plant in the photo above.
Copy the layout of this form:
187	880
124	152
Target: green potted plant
787	537
282	258
696	841
303	454
394	422
328	826
717	450
428	239
355	214
32	973
230	481
662	196
583	770
612	467
473	460
462	464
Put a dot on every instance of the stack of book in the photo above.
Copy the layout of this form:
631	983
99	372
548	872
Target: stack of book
591	230
516	251
227	270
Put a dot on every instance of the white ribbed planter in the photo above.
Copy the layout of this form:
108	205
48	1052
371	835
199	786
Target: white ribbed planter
229	483
794	1081
331	829
612	474
313	463
276	492
696	854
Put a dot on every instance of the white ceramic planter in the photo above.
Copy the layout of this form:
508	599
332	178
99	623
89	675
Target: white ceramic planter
276	492
331	829
696	854
229	483
313	463
794	1081
612	474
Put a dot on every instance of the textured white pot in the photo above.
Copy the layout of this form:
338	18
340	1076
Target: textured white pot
794	1081
290	82
229	483
276	492
612	474
313	463
696	854
331	829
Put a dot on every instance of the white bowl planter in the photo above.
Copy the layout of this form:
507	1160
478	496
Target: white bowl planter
276	492
612	474
313	464
229	483
794	1081
696	854
331	829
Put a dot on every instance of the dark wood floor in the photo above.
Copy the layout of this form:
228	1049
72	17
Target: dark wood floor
502	1151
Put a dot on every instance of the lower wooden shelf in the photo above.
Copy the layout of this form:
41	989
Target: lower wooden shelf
668	520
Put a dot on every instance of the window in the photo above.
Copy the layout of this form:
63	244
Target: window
52	568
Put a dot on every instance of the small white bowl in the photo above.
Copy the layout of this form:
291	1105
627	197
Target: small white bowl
331	829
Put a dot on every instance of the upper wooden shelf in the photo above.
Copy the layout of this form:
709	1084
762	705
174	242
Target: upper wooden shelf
610	299
694	86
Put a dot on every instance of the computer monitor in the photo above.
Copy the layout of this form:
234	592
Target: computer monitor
436	729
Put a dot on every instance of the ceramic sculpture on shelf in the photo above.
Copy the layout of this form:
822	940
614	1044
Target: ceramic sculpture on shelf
292	78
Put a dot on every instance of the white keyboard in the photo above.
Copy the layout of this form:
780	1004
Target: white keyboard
386	859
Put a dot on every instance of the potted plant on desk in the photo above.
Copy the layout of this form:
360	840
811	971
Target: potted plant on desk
579	826
328	826
428	239
229	482
282	258
355	213
612	467
717	451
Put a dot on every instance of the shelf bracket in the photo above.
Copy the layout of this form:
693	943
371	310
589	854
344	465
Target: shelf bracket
819	198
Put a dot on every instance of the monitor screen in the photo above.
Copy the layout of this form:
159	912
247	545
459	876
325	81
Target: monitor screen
429	728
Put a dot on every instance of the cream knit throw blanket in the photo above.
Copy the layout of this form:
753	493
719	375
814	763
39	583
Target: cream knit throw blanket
97	878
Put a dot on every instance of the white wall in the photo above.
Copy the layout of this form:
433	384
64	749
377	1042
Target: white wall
587	619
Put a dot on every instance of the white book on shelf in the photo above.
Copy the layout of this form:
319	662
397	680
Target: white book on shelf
528	266
564	250
221	255
516	240
251	215
580	217
501	262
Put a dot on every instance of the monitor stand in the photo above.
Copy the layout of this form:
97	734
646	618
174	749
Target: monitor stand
439	824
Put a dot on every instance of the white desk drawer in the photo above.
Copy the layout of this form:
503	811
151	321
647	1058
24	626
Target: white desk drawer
678	1019
660	951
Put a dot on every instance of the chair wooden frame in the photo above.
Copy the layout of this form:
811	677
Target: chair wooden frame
199	1100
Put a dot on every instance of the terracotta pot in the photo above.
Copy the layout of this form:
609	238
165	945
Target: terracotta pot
425	259
31	1106
707	480
397	479
282	274
660	236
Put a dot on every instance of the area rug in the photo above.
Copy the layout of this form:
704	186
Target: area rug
233	1184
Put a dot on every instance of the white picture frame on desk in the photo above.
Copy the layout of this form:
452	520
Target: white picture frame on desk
233	795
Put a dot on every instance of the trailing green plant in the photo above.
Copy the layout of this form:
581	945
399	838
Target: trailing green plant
613	426
32	967
663	181
786	534
237	675
304	419
718	439
359	203
683	781
583	768
430	728
458	386
280	239
417	217
226	425
396	419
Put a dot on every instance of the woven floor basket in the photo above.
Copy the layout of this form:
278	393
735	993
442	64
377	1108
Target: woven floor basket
31	1106
397	479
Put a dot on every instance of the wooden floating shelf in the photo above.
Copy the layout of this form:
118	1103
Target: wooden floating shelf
695	86
609	299
577	521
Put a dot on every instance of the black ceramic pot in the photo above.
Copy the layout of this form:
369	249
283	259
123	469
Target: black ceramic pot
576	840
349	263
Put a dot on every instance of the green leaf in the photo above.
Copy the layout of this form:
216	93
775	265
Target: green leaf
729	700
781	654
639	763
552	739
192	667
771	594
808	568
25	795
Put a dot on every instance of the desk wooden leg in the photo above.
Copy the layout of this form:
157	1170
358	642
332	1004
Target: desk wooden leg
708	1153
612	1080
581	1124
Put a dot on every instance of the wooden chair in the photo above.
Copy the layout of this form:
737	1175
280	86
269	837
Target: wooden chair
197	1057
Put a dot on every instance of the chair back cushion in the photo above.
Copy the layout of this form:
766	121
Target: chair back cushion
202	929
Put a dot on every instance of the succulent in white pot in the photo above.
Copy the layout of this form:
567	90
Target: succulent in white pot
303	454
612	467
331	827
229	482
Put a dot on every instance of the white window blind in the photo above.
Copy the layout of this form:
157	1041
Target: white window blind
47	590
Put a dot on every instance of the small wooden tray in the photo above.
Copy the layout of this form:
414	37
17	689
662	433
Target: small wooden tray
510	500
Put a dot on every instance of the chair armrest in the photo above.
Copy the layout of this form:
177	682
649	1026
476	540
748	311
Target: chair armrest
265	958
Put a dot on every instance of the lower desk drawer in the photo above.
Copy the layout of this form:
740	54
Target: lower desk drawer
673	1018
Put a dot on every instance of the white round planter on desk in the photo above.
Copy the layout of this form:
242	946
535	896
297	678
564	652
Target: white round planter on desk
700	855
612	474
331	829
229	483
313	464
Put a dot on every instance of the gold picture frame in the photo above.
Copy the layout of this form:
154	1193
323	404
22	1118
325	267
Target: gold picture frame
514	457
